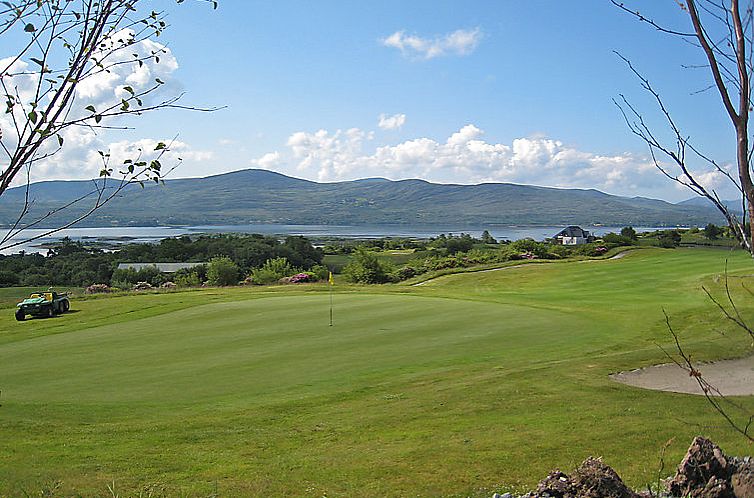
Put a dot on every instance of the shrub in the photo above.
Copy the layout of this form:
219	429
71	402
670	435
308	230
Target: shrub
406	272
303	277
366	268
222	271
712	231
8	279
97	289
188	279
529	249
320	272
629	232
272	271
127	277
560	251
669	239
618	240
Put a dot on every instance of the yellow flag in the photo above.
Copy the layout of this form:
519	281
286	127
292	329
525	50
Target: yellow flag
332	282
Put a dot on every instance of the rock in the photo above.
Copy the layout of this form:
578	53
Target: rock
593	479
703	473
742	481
555	485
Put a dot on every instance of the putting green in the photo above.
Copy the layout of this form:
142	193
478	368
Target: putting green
265	347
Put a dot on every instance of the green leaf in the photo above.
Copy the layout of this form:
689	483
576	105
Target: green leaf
161	146
91	109
60	140
124	107
129	89
155	165
159	81
97	118
29	28
33	117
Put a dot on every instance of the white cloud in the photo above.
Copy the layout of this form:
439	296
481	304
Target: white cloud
268	161
394	122
78	158
466	157
106	87
81	160
460	42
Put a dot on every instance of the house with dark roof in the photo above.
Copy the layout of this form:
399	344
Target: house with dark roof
573	236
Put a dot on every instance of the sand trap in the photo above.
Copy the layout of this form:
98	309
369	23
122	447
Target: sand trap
730	377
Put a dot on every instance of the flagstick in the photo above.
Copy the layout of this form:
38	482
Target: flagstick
331	282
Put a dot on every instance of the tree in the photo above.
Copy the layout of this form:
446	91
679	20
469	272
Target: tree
487	238
60	49
712	231
222	271
669	239
366	268
722	32
629	232
272	270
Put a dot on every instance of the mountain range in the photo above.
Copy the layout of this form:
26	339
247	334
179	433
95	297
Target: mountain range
261	196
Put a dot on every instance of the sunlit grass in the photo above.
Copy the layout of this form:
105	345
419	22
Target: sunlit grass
469	384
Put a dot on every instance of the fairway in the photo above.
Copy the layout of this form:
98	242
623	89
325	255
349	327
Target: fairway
469	384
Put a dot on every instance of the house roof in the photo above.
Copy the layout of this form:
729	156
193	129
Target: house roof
162	267
573	231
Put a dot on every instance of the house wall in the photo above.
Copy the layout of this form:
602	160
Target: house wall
573	241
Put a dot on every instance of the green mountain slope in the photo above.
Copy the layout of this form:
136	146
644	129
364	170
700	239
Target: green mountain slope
259	196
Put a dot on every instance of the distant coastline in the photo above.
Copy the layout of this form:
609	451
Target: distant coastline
153	234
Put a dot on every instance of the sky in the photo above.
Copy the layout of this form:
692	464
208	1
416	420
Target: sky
446	91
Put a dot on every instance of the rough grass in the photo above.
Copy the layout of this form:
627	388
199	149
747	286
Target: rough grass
469	384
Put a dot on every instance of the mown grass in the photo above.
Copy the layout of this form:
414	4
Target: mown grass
9	296
468	384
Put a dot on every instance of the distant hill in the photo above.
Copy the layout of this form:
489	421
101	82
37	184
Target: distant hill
733	205
260	196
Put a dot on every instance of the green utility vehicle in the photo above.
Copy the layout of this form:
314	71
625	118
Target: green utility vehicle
46	304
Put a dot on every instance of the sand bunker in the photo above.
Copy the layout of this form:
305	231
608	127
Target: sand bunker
730	377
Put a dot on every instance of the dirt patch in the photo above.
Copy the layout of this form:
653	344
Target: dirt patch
730	377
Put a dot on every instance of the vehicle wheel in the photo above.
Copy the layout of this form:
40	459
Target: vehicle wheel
20	315
65	306
50	312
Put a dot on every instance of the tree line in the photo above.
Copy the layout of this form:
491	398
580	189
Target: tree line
72	263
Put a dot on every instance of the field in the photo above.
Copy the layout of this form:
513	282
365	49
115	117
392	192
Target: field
468	384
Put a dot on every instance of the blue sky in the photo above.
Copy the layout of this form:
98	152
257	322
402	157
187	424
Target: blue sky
468	92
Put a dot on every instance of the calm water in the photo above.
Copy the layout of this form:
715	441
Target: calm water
121	235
